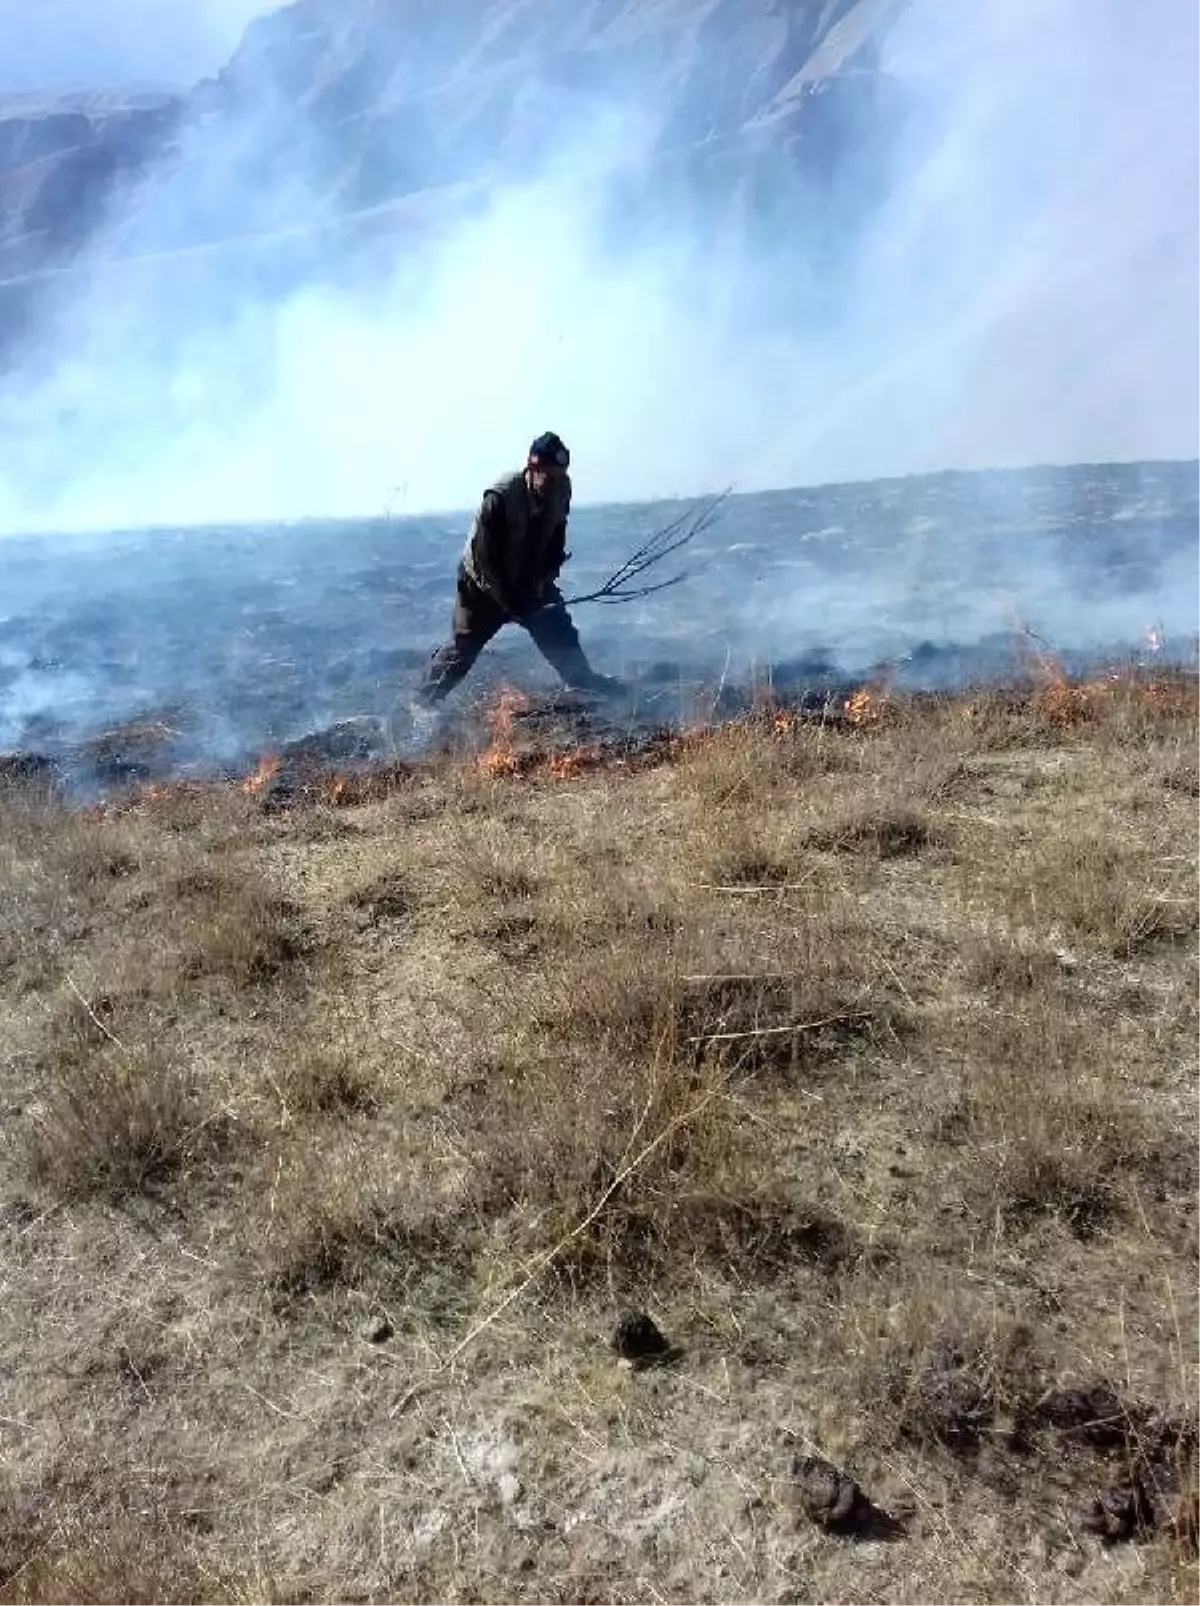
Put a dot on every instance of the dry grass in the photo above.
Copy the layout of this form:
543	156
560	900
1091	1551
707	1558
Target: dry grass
1040	1124
115	1123
114	1558
862	1058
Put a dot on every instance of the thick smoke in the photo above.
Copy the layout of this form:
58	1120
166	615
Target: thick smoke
1026	292
1055	230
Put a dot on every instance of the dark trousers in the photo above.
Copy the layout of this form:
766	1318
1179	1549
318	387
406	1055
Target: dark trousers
476	619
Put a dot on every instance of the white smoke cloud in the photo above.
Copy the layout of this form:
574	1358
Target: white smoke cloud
1026	294
1057	227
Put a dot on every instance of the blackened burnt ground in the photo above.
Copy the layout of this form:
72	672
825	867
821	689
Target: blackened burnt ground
140	655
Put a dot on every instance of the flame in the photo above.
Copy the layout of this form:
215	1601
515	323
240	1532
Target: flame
1065	704
1036	653
150	797
561	766
692	736
765	708
1062	704
268	767
866	703
859	707
1049	666
1055	698
500	758
1061	701
371	785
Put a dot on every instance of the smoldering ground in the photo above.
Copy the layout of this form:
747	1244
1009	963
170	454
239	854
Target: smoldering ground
221	647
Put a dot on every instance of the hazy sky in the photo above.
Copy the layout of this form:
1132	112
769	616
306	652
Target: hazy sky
66	44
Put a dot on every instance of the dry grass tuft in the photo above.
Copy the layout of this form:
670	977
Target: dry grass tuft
319	1078
385	900
952	1383
615	1150
754	760
1115	895
888	834
1181	775
1011	968
56	876
1045	1129
231	928
336	1223
766	1233
65	878
118	1121
787	1024
117	1558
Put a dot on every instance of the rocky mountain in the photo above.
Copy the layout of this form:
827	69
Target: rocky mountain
53	46
764	241
361	121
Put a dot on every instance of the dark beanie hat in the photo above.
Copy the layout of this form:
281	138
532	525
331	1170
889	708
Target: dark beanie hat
549	448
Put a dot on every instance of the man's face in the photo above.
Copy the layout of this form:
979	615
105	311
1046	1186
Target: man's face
541	479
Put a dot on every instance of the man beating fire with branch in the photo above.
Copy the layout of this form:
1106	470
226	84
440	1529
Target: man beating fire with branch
507	574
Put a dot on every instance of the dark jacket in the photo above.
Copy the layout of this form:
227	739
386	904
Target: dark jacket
513	551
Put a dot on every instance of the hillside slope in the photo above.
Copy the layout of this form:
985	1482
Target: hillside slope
324	112
857	1051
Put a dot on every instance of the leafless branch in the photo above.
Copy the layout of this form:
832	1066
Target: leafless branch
774	1031
620	587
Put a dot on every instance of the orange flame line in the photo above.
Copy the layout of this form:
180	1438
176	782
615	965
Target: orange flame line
268	766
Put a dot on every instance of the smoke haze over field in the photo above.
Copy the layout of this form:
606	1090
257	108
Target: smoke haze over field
1024	291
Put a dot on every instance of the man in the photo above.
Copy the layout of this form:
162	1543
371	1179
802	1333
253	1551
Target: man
507	574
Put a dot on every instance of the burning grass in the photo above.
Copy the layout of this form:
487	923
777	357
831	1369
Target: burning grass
856	1044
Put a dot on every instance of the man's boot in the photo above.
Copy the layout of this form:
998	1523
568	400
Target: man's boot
607	686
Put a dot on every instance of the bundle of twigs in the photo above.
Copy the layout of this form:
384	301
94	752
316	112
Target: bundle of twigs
622	586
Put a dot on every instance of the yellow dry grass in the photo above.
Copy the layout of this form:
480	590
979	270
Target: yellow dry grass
863	1059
